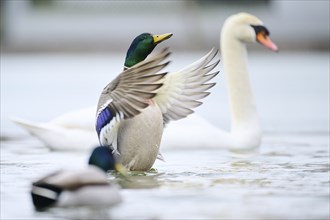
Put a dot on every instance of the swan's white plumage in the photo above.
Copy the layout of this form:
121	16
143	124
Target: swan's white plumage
60	137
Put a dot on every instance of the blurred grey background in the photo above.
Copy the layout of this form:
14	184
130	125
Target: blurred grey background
61	53
58	25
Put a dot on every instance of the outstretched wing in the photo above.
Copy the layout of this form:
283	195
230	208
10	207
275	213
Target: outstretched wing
126	96
182	90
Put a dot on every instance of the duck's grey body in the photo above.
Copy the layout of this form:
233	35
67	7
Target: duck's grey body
134	108
129	121
139	138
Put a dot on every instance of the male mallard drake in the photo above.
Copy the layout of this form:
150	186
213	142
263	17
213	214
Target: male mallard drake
86	187
131	122
75	130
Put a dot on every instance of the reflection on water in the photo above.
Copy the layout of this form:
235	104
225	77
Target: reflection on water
137	179
287	178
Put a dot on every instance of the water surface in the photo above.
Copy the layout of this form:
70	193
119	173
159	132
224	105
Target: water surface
287	179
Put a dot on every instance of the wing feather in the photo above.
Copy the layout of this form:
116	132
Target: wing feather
183	89
127	95
135	82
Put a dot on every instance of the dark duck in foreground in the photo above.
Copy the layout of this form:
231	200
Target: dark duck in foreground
83	187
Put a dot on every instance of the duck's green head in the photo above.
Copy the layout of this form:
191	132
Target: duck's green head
142	46
103	158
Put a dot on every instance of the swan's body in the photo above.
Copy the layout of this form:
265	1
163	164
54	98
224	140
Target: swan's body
75	131
72	131
245	134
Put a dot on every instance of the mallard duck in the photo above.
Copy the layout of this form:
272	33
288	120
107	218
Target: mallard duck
85	187
131	121
75	130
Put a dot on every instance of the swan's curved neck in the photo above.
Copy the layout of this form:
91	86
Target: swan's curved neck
243	109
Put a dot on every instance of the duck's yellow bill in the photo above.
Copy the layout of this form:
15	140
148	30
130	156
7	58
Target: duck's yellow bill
121	169
162	37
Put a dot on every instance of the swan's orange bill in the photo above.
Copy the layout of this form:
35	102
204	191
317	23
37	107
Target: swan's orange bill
266	41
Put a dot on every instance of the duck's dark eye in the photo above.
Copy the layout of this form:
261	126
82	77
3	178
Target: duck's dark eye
259	28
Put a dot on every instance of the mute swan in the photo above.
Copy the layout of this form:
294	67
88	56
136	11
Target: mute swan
245	135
